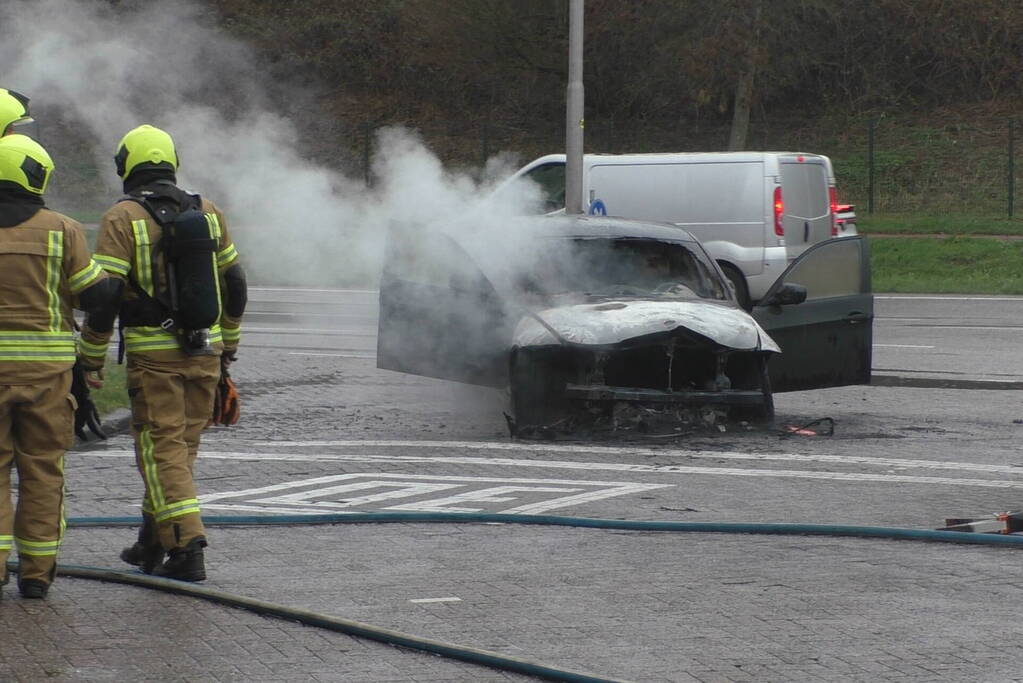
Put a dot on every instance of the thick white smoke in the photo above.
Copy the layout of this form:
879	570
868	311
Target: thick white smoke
166	64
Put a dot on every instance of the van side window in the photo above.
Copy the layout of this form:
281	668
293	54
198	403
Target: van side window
832	269
551	178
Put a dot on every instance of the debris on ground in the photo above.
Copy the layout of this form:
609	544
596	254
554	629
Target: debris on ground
826	428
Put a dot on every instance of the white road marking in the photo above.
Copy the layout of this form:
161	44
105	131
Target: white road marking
249	314
973	327
657	469
331	493
904	346
331	355
284	329
424	601
300	289
610	450
897	297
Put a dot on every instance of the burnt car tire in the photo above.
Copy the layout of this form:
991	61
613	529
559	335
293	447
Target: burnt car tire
538	378
766	412
738	281
762	414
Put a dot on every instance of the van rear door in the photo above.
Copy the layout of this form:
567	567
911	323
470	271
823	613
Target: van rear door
807	205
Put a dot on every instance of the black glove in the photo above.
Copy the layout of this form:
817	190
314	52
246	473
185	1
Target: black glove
86	415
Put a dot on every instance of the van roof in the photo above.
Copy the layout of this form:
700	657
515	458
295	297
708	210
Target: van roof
680	156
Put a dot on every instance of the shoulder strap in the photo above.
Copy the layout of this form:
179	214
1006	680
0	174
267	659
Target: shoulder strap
144	299
164	200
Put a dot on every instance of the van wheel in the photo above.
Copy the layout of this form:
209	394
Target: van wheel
739	282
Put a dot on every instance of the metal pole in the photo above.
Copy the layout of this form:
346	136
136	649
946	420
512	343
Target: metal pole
485	142
574	111
870	167
365	152
1012	164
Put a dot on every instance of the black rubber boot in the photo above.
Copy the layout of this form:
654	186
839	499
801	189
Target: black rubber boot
146	553
185	564
33	589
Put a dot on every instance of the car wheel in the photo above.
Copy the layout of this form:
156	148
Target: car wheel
738	281
763	412
767	408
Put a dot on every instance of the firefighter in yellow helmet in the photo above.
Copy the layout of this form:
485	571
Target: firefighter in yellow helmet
180	315
46	271
13	111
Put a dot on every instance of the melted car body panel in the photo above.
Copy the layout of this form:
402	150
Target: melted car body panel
615	321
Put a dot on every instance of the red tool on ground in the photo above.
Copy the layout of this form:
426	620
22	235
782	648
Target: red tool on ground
1002	523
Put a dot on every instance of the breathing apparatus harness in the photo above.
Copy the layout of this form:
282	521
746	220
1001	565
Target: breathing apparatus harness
186	296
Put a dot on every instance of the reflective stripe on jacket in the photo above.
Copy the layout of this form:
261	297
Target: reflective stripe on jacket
45	262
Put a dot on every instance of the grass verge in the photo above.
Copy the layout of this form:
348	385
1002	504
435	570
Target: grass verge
114	394
960	265
946	224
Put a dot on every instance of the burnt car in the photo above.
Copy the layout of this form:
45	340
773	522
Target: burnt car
602	321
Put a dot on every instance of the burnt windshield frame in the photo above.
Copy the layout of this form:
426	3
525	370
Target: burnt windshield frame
623	266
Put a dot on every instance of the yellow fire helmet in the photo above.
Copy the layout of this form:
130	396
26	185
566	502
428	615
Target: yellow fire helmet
13	109
145	145
24	162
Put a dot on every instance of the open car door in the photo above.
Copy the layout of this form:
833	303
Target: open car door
826	341
439	314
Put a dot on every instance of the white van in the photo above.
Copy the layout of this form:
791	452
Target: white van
753	211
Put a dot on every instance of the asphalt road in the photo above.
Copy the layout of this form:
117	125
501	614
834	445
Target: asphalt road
956	338
943	409
968	338
945	374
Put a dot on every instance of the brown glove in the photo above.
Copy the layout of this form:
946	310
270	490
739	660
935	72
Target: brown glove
225	402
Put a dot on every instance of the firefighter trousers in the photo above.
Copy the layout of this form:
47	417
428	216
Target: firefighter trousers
36	429
171	403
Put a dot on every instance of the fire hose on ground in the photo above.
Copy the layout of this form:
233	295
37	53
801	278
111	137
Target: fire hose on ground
459	652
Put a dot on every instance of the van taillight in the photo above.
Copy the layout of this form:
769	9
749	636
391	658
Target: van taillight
779	211
833	195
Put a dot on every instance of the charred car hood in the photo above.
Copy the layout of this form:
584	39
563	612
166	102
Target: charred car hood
614	321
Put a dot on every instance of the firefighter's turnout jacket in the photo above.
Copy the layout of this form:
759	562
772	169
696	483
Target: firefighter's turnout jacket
171	392
44	266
